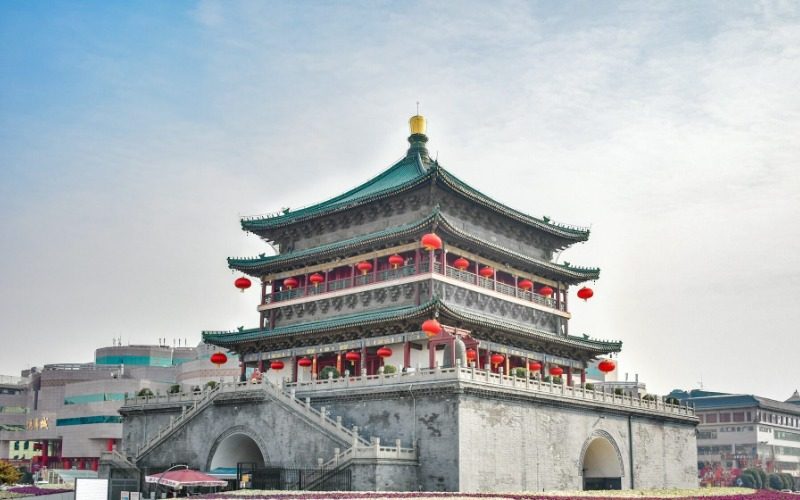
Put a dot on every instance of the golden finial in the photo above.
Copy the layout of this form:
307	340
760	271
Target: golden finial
417	123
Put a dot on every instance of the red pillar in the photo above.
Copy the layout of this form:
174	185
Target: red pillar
407	354
314	367
583	375
110	445
45	452
569	376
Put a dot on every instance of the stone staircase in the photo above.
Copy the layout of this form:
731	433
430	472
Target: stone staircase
192	405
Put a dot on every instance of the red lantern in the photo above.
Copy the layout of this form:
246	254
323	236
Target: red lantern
486	272
316	278
219	358
276	365
461	263
472	355
384	352
525	284
242	283
556	371
364	266
396	261
431	327
290	283
497	359
431	242
352	356
585	293
534	366
606	366
305	362
546	291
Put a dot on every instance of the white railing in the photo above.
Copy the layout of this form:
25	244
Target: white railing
487	378
192	404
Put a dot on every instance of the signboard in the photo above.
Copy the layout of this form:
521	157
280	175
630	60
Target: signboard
91	489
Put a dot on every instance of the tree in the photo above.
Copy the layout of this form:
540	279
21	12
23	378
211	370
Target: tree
145	393
389	369
174	389
749	479
8	473
211	384
519	372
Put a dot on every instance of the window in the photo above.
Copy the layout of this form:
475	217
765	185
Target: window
724	417
25	446
707	435
16	445
711	418
787	436
738	416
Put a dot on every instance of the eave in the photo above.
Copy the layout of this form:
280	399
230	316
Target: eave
437	221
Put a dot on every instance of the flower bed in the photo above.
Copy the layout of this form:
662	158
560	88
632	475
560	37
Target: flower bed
716	493
34	491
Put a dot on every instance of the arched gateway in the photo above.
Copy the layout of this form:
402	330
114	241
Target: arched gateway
601	463
236	445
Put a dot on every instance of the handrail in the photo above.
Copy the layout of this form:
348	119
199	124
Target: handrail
486	377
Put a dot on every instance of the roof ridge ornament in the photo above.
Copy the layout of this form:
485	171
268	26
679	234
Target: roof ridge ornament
417	139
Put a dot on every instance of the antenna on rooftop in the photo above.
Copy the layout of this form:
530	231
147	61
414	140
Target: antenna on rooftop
417	107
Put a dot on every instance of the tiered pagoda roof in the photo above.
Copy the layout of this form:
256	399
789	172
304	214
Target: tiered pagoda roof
447	313
406	174
265	264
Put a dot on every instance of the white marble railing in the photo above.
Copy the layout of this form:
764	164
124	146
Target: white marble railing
487	378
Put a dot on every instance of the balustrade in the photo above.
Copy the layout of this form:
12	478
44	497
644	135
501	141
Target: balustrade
425	267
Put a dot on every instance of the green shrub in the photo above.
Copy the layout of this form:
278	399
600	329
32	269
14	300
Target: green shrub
788	481
775	481
672	401
749	479
588	386
174	389
554	380
145	393
211	384
649	397
8	473
763	476
758	482
389	369
324	374
619	392
519	372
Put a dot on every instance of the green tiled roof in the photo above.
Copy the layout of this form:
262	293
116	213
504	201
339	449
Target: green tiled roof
446	311
263	264
405	174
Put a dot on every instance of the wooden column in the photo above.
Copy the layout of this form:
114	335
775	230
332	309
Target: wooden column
375	270
314	367
407	354
263	292
339	363
569	376
583	375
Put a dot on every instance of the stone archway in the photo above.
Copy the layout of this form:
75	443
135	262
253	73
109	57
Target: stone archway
236	445
601	463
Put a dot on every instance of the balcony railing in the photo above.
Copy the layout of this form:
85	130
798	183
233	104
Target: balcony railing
412	270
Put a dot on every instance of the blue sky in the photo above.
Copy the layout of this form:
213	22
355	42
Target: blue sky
133	136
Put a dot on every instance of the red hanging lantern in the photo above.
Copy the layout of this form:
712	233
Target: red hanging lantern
431	242
352	356
461	263
606	366
276	365
534	366
486	272
305	362
431	327
316	278
556	371
364	266
219	358
497	359
242	283
384	352
290	283
472	355
585	293
546	291
396	261
525	284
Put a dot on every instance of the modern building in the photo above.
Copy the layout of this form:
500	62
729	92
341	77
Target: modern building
738	431
63	416
461	296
